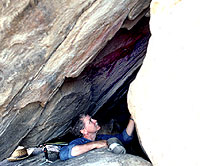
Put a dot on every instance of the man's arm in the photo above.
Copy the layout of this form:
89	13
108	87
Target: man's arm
130	126
80	149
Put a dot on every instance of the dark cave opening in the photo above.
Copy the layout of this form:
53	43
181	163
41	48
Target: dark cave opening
114	117
116	120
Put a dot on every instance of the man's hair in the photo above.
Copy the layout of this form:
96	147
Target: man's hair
79	125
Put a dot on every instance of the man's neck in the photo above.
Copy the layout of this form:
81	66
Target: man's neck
90	136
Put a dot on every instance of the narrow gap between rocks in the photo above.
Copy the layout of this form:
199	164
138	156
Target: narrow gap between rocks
114	117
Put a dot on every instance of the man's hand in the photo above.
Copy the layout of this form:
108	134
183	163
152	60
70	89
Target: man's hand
130	126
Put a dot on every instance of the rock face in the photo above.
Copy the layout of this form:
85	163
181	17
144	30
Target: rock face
98	157
45	47
165	95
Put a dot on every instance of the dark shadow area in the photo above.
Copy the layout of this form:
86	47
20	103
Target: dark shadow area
114	117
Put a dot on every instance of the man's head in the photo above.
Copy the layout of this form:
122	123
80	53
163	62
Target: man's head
85	125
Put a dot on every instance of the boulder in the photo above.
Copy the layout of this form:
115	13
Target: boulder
164	98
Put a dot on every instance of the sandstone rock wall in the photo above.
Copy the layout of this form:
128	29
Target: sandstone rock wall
98	82
46	43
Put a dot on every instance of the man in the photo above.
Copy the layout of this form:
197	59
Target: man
88	128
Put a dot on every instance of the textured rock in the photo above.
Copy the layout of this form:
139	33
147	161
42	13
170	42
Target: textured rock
42	43
165	95
98	157
98	82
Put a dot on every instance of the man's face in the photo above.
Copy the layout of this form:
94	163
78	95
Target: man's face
91	125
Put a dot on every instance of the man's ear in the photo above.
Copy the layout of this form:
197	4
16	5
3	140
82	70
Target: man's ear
83	131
